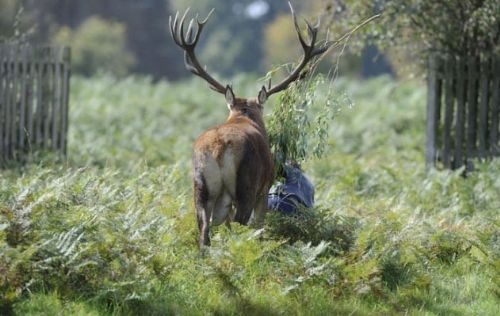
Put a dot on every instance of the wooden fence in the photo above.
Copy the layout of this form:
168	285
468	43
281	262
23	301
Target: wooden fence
34	87
463	110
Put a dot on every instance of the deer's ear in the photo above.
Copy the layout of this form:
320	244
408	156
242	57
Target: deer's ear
262	97
230	98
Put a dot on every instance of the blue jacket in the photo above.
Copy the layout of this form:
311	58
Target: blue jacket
297	190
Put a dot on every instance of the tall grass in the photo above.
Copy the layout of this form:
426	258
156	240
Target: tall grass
112	231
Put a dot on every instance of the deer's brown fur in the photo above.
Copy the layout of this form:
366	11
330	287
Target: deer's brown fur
232	165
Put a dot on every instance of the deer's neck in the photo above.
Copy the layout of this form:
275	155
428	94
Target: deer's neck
254	119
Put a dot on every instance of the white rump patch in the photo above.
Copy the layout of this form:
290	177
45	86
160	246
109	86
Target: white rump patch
221	182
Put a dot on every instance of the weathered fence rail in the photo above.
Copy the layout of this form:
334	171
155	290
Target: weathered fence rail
463	109
34	94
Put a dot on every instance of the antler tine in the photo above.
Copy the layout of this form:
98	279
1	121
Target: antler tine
181	28
189	33
310	51
297	28
313	33
173	27
206	19
187	41
201	25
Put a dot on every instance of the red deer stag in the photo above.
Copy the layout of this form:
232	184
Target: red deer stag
232	162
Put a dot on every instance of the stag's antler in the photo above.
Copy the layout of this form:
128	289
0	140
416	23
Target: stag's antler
188	44
310	51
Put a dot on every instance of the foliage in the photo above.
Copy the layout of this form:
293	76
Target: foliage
7	18
314	226
14	21
97	45
298	127
448	26
112	231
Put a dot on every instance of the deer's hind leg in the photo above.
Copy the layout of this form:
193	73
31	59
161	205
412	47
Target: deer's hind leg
244	208
207	191
260	211
201	196
246	193
245	201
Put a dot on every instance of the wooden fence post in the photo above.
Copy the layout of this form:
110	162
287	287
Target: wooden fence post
22	95
8	102
449	99
433	108
484	93
66	71
460	119
495	151
2	101
471	110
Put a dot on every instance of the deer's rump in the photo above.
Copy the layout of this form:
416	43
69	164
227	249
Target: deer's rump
227	163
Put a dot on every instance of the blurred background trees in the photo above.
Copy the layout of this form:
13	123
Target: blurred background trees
446	26
15	22
125	36
144	26
132	36
98	45
7	18
408	30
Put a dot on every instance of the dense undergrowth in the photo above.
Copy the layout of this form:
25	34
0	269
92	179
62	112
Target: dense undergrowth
112	231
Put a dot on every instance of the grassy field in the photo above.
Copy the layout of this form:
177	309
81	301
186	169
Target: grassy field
112	230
